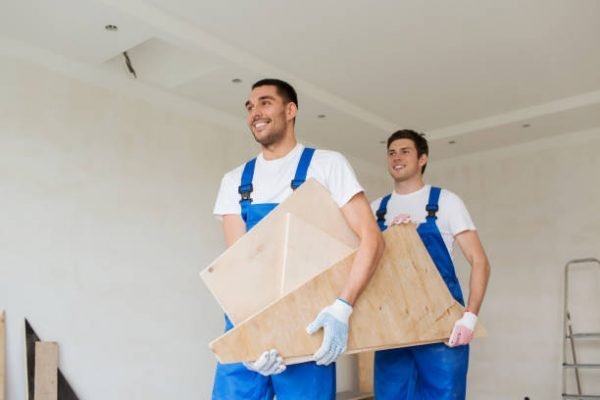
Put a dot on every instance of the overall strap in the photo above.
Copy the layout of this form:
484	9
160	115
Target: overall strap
381	211
432	204
245	189
302	168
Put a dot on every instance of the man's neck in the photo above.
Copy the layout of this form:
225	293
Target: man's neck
279	149
409	186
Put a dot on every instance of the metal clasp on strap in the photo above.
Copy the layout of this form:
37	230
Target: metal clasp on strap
381	214
431	211
296	183
245	191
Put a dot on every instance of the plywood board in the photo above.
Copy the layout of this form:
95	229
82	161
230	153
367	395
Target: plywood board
2	356
308	252
405	303
46	371
248	276
65	392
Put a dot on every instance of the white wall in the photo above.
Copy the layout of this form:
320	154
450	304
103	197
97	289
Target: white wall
536	206
105	203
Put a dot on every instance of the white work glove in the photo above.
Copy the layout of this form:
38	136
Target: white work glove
462	333
269	363
334	321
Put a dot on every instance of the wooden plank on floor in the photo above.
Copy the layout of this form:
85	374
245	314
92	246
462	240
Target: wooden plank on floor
354	396
406	303
2	356
46	371
65	392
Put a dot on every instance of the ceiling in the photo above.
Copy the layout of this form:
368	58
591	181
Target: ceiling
474	75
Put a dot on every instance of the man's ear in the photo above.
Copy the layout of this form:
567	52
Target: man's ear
423	160
291	110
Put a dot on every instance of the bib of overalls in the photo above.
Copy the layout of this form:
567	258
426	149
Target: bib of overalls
298	381
433	241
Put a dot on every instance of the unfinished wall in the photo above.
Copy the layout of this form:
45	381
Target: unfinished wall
105	224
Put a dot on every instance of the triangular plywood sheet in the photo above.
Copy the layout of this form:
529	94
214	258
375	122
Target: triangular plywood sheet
308	252
65	392
405	303
248	276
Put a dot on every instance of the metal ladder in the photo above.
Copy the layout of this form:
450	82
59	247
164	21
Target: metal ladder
569	339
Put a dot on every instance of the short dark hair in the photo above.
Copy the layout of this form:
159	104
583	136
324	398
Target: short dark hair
418	139
284	89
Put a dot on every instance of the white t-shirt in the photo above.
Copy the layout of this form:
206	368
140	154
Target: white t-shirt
452	216
272	178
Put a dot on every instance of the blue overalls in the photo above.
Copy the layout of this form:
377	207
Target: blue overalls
427	372
298	382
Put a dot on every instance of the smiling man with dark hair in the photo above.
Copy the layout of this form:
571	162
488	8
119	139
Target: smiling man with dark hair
435	371
247	194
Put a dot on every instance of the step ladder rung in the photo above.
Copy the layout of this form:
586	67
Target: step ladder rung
578	365
584	335
572	339
580	396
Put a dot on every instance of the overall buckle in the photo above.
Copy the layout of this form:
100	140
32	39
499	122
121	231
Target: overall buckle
245	191
296	183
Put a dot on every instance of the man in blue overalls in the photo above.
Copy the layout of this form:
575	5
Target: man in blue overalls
436	371
250	192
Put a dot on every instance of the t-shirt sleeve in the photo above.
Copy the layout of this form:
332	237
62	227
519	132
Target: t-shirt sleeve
460	219
228	198
341	180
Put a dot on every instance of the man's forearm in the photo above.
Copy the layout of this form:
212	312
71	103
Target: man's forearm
365	262
480	273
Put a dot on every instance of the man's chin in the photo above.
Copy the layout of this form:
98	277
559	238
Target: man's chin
267	140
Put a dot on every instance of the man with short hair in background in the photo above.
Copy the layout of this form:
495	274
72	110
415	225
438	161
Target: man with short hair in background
436	371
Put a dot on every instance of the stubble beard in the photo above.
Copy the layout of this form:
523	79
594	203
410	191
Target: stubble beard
270	139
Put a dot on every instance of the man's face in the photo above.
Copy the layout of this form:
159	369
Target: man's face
268	116
403	161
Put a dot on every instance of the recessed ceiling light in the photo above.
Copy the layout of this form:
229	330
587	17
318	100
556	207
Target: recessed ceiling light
111	28
236	80
321	116
452	142
525	125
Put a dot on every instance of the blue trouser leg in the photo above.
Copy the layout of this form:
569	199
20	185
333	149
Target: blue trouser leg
236	382
395	375
305	381
300	381
442	371
429	372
